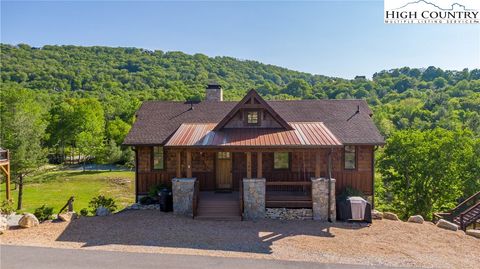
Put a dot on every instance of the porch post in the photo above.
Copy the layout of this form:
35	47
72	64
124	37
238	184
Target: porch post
249	165
179	165
317	163
259	165
189	164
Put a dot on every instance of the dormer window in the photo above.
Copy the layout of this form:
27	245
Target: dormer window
252	118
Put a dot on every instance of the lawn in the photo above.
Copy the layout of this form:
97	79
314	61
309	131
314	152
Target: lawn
55	187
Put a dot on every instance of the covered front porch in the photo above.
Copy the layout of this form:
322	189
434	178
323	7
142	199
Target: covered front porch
252	180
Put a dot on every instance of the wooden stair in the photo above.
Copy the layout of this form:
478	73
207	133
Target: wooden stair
218	206
465	214
470	216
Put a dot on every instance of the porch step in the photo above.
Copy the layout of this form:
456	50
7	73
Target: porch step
218	206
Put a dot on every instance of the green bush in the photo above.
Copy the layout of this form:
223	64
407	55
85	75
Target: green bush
147	200
7	207
84	212
153	191
101	200
349	191
43	213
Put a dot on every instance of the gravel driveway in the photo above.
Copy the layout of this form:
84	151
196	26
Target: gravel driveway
383	243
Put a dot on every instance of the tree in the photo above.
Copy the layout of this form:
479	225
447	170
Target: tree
23	130
423	171
298	88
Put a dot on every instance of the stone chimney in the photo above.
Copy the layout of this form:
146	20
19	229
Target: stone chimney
214	92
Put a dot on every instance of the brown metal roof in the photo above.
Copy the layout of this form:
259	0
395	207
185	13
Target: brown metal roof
305	134
157	121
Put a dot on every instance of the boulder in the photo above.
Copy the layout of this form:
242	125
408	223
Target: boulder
103	211
416	219
28	220
377	214
3	224
67	216
390	216
447	225
474	233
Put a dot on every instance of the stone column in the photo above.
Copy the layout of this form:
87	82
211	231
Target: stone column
320	199
182	191
254	198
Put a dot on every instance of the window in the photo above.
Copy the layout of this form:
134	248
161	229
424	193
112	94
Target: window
158	163
281	160
350	157
252	117
224	155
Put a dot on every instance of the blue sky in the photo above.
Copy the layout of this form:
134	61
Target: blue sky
336	38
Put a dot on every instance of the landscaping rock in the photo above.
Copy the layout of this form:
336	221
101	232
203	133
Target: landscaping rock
447	225
474	233
3	224
390	216
103	211
416	219
377	214
28	220
67	216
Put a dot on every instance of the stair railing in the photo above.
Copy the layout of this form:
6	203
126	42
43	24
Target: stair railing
459	209
465	222
196	190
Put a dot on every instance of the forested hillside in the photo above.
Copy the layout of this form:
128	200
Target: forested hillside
80	101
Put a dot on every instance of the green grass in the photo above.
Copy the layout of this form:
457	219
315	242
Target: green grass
54	189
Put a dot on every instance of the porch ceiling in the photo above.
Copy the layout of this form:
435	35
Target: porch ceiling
304	134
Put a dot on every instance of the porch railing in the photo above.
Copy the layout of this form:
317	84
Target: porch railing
240	191
196	191
288	194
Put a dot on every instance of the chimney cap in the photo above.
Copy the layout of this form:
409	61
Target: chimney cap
213	85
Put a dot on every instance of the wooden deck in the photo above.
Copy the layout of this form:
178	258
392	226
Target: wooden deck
218	206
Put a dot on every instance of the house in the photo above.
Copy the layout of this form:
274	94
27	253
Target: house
254	154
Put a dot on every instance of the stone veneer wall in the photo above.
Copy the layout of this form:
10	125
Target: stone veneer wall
182	190
320	199
289	213
253	198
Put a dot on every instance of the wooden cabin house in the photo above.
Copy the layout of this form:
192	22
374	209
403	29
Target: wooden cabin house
220	143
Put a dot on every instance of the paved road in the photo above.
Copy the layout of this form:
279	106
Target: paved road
13	257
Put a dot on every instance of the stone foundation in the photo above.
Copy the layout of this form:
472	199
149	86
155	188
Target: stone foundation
289	213
320	199
253	198
182	191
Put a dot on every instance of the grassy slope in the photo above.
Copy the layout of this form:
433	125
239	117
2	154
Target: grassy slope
54	189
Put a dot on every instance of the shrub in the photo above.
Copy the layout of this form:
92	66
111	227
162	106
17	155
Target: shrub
153	191
349	191
146	200
7	208
101	200
43	213
84	212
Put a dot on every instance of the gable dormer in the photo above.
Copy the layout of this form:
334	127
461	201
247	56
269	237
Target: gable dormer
252	112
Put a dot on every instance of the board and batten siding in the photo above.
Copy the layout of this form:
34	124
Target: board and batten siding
302	168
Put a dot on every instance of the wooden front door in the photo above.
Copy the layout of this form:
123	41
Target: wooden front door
224	171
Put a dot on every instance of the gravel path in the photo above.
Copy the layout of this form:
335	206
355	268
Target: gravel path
383	243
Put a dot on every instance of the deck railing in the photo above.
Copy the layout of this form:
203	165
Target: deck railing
196	191
288	194
240	191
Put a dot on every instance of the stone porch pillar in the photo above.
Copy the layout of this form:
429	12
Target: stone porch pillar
320	199
254	198
182	191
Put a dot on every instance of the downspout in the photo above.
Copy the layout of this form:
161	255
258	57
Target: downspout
373	176
330	185
136	173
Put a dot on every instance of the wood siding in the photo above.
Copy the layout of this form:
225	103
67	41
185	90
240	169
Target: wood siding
302	168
